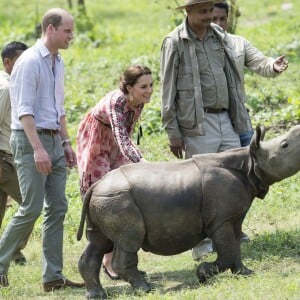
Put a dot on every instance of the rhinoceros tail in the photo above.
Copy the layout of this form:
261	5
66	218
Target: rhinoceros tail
85	205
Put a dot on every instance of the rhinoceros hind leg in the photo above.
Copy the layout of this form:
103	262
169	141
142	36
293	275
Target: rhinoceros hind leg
89	267
125	264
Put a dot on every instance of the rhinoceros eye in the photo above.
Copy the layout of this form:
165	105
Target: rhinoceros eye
284	144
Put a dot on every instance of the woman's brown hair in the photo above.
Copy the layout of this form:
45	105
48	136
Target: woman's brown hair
131	75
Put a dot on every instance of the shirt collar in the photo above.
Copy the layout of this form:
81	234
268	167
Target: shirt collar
194	37
44	50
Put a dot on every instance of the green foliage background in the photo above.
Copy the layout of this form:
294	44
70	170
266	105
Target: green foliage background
112	35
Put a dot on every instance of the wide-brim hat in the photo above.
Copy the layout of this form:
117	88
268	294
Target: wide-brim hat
194	2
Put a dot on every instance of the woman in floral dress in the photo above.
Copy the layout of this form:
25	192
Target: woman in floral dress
104	136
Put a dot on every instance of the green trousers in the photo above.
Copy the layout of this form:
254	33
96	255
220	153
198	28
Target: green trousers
38	192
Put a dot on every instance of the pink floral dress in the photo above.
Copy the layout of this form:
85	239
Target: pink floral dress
104	138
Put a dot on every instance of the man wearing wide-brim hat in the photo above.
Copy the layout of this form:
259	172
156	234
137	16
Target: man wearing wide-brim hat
203	96
201	86
193	2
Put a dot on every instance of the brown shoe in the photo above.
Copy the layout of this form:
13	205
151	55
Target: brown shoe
61	283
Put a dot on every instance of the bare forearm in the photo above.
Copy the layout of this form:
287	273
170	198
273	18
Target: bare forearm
63	129
69	152
31	132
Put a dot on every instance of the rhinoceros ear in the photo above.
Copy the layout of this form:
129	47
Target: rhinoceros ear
262	132
258	136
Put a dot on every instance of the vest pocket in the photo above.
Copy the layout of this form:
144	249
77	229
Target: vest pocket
185	103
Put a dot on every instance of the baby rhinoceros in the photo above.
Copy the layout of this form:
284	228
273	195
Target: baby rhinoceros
169	207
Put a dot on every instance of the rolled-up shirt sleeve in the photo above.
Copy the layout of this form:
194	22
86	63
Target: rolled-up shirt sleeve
23	96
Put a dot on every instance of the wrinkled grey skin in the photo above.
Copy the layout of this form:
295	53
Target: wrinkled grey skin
168	207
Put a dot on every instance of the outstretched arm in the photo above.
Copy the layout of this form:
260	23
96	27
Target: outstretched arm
280	64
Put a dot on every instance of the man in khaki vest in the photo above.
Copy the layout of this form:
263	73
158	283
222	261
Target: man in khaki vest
203	96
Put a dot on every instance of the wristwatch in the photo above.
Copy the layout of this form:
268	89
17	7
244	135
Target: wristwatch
66	141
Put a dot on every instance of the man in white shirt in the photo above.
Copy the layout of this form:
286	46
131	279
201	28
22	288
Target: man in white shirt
41	148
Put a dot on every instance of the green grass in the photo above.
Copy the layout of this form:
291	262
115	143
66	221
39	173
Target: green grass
132	30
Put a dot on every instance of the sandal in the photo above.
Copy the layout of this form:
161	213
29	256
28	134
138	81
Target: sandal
112	277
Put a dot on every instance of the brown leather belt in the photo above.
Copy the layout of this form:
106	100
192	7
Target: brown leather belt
214	110
48	131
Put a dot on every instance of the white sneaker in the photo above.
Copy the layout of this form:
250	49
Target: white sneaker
202	249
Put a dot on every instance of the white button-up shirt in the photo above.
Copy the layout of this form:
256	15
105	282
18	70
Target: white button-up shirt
37	88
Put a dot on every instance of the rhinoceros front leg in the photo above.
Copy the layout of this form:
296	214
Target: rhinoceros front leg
125	264
89	267
226	241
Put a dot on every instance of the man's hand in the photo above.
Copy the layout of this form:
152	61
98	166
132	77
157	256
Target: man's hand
177	146
70	156
280	64
42	161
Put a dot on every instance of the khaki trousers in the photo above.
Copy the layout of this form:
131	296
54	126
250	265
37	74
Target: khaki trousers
219	136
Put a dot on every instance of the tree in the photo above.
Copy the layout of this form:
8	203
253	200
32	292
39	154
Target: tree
234	14
80	3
